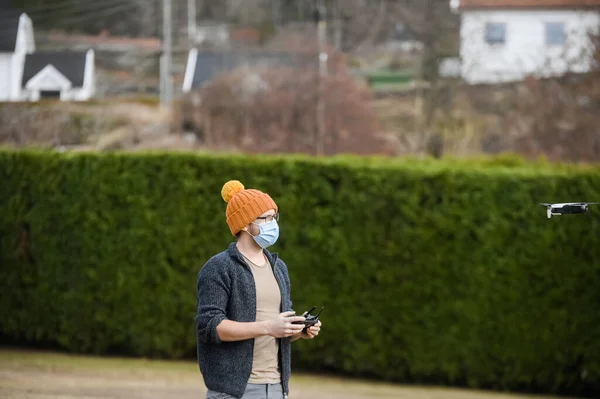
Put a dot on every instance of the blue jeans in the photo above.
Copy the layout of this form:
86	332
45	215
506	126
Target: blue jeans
253	391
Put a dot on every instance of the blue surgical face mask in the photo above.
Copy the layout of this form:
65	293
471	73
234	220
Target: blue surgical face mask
269	233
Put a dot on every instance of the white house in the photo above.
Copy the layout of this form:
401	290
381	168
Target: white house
16	41
507	40
28	75
64	75
211	33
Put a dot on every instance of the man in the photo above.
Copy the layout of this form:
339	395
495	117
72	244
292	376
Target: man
244	321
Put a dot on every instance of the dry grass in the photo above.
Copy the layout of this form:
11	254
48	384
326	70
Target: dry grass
42	375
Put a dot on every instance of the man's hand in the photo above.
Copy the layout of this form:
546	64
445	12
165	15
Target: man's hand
282	326
312	331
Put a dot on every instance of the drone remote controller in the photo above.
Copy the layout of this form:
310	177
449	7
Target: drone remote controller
310	319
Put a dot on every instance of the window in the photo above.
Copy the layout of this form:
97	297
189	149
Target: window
495	33
555	34
49	94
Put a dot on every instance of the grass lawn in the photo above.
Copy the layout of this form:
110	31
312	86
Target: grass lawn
45	375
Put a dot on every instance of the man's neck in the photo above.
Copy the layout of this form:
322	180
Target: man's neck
249	248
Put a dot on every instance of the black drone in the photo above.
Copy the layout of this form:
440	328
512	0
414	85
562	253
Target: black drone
566	208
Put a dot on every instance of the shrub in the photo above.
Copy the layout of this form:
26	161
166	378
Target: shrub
274	110
430	271
557	117
51	123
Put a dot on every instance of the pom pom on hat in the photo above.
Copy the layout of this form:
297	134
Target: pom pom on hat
230	189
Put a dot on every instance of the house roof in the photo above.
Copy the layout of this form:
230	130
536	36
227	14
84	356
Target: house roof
70	63
473	4
9	28
210	64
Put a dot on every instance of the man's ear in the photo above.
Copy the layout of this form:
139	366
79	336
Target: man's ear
247	229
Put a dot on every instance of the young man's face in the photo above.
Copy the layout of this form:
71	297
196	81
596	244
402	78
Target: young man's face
267	217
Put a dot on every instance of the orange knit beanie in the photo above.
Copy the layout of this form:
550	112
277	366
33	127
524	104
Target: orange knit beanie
244	205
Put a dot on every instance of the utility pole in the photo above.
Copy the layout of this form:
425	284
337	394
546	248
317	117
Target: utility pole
166	58
276	13
321	20
191	21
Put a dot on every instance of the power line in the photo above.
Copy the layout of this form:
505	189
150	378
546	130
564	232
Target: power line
67	7
63	4
109	12
107	8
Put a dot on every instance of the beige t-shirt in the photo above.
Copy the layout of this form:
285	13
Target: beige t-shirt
265	365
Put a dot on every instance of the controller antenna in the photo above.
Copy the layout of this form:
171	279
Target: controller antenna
308	311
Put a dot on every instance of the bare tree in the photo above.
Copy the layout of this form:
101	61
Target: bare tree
558	117
274	110
360	25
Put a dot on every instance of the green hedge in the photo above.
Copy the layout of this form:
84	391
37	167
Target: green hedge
390	77
443	272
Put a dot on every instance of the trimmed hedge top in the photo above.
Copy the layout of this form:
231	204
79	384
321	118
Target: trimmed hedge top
435	271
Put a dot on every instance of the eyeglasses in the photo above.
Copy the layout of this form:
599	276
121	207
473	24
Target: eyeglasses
268	219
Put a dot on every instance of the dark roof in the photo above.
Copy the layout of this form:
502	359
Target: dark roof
9	28
210	64
69	63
